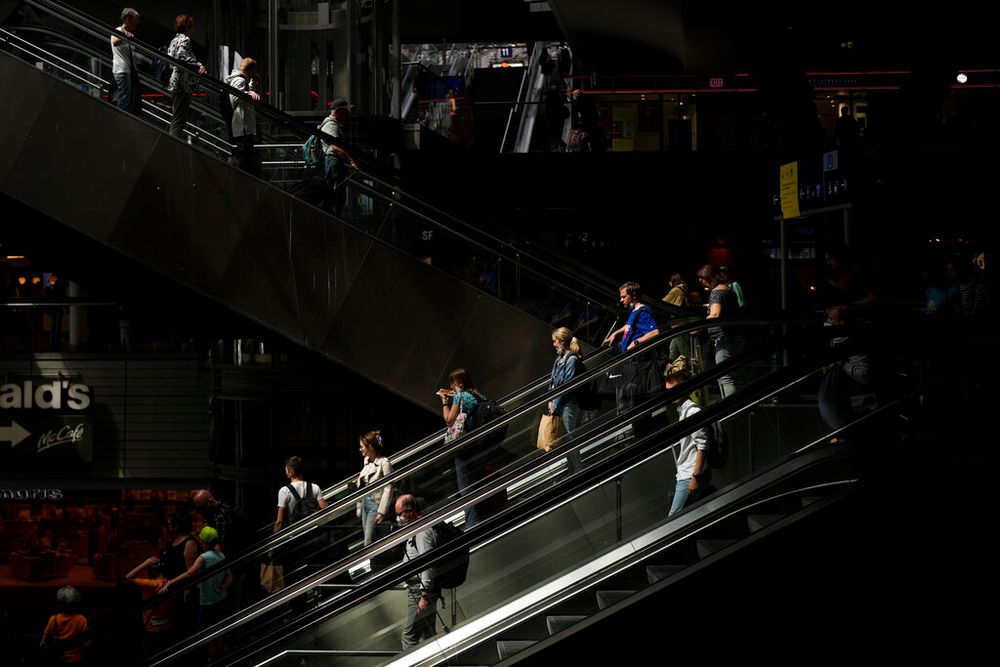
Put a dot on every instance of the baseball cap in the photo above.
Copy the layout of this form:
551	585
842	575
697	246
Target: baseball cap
340	103
208	534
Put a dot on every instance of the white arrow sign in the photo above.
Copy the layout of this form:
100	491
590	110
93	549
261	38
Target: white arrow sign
13	434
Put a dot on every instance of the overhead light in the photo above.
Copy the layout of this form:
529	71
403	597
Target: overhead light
962	77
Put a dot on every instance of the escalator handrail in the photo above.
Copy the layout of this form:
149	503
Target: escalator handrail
558	284
607	288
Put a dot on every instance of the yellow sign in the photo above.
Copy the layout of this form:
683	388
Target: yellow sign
789	188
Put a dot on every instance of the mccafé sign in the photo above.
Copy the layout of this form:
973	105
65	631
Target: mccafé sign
45	420
55	395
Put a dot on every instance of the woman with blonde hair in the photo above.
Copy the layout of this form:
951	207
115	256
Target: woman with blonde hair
373	508
568	364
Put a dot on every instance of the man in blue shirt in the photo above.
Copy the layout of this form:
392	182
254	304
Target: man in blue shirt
641	326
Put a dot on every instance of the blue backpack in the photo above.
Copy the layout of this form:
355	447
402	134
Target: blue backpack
312	152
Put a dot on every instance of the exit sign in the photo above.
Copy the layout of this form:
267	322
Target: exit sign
716	82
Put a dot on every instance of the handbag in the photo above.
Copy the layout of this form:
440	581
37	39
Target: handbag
272	577
458	426
550	429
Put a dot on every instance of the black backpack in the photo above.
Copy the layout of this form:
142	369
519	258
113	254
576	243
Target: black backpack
588	395
303	506
452	570
718	452
485	412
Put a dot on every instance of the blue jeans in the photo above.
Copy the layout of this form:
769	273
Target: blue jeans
726	347
680	496
127	98
465	474
571	417
335	173
368	511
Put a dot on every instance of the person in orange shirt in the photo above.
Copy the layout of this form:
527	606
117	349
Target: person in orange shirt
65	625
157	621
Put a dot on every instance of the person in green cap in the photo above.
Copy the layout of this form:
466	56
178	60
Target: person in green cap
211	591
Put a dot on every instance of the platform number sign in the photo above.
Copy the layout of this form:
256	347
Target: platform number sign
506	52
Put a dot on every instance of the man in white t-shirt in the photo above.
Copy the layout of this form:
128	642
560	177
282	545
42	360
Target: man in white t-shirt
691	459
128	97
287	500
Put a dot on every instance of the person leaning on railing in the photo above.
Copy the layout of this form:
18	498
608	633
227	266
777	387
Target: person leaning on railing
180	81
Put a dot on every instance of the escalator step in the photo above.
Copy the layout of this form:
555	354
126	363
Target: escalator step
560	623
758	521
607	598
708	547
509	647
656	572
809	500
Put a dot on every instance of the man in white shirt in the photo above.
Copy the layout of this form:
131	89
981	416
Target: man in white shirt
128	97
287	500
692	456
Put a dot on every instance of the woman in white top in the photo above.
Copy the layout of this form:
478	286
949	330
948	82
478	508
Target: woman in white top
287	500
374	507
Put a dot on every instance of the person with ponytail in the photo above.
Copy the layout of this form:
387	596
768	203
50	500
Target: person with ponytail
722	302
568	364
374	507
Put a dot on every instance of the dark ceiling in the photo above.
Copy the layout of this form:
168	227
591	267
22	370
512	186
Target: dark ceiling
696	36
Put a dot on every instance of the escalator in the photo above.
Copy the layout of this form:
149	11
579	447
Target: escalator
617	498
568	557
333	284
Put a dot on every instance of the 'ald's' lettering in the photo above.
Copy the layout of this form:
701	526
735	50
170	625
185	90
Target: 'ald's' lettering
50	396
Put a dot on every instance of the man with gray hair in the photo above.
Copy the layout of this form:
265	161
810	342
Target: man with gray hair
65	628
244	122
422	592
